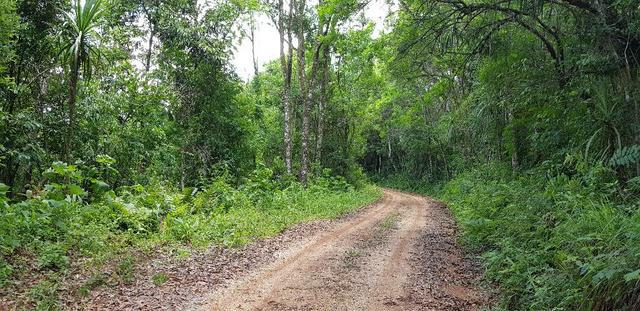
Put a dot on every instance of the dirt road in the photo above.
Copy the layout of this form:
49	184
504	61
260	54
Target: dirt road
398	254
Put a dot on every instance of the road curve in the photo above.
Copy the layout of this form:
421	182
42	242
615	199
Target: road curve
399	254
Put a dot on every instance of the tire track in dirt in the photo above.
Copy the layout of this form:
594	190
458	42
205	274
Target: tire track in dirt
257	290
362	264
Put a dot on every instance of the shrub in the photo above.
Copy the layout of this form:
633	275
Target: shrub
559	242
52	255
65	217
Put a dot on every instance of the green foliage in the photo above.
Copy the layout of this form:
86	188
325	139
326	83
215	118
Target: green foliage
530	133
625	156
44	295
228	216
9	23
125	270
93	282
560	242
181	152
60	220
159	278
52	255
77	48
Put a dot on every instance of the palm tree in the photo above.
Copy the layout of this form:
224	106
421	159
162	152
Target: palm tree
79	52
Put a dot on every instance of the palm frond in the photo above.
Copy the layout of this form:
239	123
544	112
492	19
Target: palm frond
77	50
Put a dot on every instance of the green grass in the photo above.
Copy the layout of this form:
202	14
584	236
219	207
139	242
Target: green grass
246	221
93	282
126	270
159	279
389	222
44	295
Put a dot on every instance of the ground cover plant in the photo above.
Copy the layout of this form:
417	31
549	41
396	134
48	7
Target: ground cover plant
77	217
547	240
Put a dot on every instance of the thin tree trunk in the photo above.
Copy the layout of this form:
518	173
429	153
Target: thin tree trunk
430	166
147	64
285	62
73	90
304	93
390	154
253	47
324	96
317	85
320	133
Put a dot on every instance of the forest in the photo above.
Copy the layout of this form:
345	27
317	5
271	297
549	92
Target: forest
125	129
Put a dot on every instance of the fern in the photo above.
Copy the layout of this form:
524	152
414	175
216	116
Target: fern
625	156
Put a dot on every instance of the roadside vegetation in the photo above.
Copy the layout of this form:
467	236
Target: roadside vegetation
547	241
78	217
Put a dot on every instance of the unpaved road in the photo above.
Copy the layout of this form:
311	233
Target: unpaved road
398	254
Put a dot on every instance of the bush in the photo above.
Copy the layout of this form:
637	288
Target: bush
77	212
52	255
565	241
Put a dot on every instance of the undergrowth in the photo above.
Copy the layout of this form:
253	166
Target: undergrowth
78	216
558	237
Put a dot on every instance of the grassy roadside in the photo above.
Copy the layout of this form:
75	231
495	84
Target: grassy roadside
549	242
73	227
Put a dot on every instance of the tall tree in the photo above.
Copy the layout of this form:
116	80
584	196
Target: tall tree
283	20
148	10
304	92
79	53
320	71
252	38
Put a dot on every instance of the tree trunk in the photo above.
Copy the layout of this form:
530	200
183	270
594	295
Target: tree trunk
319	133
147	64
322	103
304	93
253	47
314	94
286	64
73	90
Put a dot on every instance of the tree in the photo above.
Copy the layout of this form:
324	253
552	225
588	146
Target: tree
283	19
304	91
79	52
212	124
150	15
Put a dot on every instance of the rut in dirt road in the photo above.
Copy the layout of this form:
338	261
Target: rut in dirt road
400	254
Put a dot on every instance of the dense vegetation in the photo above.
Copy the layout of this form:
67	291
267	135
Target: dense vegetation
122	124
124	128
524	117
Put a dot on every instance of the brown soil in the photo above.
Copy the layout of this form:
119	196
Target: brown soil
400	254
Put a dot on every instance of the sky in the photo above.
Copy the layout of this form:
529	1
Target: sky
268	40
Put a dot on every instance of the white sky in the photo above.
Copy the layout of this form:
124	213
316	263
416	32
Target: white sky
268	41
